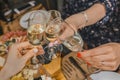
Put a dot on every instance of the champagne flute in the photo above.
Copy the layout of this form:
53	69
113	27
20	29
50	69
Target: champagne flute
35	33
53	30
37	24
53	25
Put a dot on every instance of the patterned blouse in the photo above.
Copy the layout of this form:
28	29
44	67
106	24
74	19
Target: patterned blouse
104	31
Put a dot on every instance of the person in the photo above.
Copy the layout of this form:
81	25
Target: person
16	61
98	22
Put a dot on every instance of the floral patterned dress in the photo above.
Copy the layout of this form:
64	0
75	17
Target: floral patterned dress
104	31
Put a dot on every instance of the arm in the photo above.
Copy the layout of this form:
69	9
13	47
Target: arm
94	14
4	75
15	61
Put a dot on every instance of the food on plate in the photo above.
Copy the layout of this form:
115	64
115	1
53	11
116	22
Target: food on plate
10	38
12	34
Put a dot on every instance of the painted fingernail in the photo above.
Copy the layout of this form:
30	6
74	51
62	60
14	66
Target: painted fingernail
88	64
79	55
35	50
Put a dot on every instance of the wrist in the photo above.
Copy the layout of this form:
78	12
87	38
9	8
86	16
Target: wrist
85	18
4	75
78	20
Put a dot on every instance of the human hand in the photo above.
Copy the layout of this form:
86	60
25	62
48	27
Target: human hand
105	57
74	22
16	61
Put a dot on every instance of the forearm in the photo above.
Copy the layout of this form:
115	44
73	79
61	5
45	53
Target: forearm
4	75
93	14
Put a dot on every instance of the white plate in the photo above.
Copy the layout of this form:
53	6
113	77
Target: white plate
24	23
106	75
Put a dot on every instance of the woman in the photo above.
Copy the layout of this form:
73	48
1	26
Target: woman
15	61
98	22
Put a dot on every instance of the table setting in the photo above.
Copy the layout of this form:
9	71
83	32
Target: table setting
44	28
35	23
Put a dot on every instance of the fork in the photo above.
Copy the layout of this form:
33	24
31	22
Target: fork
70	72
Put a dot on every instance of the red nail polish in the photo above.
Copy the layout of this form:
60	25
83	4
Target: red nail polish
79	55
88	64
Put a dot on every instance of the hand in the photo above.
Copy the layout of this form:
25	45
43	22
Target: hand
67	31
16	61
71	23
105	57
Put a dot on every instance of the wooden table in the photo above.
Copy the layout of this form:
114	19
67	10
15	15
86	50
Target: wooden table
54	69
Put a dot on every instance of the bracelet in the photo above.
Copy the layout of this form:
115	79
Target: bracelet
86	17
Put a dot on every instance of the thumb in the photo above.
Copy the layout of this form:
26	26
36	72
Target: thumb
30	53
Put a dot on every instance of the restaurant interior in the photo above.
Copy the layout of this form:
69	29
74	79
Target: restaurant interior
12	10
13	14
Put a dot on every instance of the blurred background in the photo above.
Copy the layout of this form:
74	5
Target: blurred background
10	10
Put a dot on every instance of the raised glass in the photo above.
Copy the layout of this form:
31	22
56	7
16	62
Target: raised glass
37	24
75	43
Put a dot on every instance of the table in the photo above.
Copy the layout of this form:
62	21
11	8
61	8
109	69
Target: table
14	25
53	67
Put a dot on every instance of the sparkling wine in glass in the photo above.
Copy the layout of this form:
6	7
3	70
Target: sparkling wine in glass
53	51
35	34
52	32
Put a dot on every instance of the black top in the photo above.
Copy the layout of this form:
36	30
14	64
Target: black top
104	31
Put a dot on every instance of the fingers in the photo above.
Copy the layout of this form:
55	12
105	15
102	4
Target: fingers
105	65
95	52
108	65
67	31
24	44
30	53
99	58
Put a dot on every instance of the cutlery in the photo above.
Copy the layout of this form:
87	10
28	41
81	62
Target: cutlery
74	62
74	68
70	71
